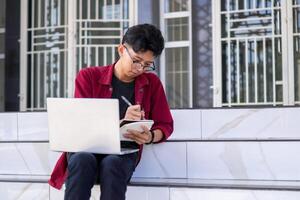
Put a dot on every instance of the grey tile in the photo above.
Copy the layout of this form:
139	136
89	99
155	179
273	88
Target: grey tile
8	126
33	126
244	160
163	160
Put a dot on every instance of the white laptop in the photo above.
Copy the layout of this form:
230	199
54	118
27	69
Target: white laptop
82	124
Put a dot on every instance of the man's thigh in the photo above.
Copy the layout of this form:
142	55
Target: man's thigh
125	164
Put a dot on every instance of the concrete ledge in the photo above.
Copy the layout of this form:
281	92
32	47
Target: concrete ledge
186	183
221	184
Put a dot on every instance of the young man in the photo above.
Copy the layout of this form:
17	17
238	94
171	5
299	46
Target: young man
127	77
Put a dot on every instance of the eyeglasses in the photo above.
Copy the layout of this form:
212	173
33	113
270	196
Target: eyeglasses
139	65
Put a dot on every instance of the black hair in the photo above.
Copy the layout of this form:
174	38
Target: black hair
144	37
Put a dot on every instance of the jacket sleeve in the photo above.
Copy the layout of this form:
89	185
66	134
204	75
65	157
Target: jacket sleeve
160	111
83	84
60	172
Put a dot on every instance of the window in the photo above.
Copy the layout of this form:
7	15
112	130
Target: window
99	31
251	44
59	37
44	38
176	60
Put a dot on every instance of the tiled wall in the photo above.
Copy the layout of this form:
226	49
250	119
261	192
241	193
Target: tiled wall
24	126
24	191
269	123
247	144
237	124
32	126
8	126
213	124
26	158
208	159
244	160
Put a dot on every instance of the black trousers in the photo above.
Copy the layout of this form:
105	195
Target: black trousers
112	172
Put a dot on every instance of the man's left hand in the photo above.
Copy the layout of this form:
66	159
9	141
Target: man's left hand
138	136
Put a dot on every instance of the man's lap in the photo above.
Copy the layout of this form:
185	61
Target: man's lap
124	163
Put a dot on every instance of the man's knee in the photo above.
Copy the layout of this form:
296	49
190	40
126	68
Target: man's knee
115	167
82	161
111	162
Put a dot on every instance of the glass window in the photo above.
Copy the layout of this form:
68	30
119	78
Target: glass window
176	5
97	41
177	73
2	43
46	61
48	41
177	29
2	13
296	47
2	83
251	53
177	63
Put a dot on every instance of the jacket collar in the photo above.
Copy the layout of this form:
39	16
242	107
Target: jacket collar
140	81
106	77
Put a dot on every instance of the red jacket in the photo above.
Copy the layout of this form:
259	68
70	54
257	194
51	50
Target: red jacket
95	82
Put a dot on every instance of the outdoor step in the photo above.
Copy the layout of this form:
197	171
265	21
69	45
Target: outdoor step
255	160
160	189
193	124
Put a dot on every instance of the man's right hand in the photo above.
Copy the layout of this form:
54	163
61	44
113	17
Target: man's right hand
134	113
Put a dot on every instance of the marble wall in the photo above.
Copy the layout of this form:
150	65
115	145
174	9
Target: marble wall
229	144
244	160
206	160
215	145
27	158
24	191
206	124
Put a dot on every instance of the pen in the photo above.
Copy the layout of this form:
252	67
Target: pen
126	101
142	112
129	104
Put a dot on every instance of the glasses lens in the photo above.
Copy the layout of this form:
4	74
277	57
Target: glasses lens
150	68
140	66
137	65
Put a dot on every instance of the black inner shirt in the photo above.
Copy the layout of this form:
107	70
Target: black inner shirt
123	89
127	90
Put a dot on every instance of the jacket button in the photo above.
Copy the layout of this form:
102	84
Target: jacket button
110	89
141	90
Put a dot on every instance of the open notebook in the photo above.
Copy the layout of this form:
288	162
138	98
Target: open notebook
134	125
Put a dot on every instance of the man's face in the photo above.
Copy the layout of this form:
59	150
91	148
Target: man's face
134	64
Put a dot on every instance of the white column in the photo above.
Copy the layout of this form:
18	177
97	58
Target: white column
217	58
71	47
23	55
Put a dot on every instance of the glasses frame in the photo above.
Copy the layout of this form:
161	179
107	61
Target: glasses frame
138	64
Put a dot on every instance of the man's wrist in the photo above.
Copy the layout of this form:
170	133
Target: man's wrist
152	137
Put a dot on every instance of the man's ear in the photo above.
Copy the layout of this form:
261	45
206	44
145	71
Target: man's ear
121	50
